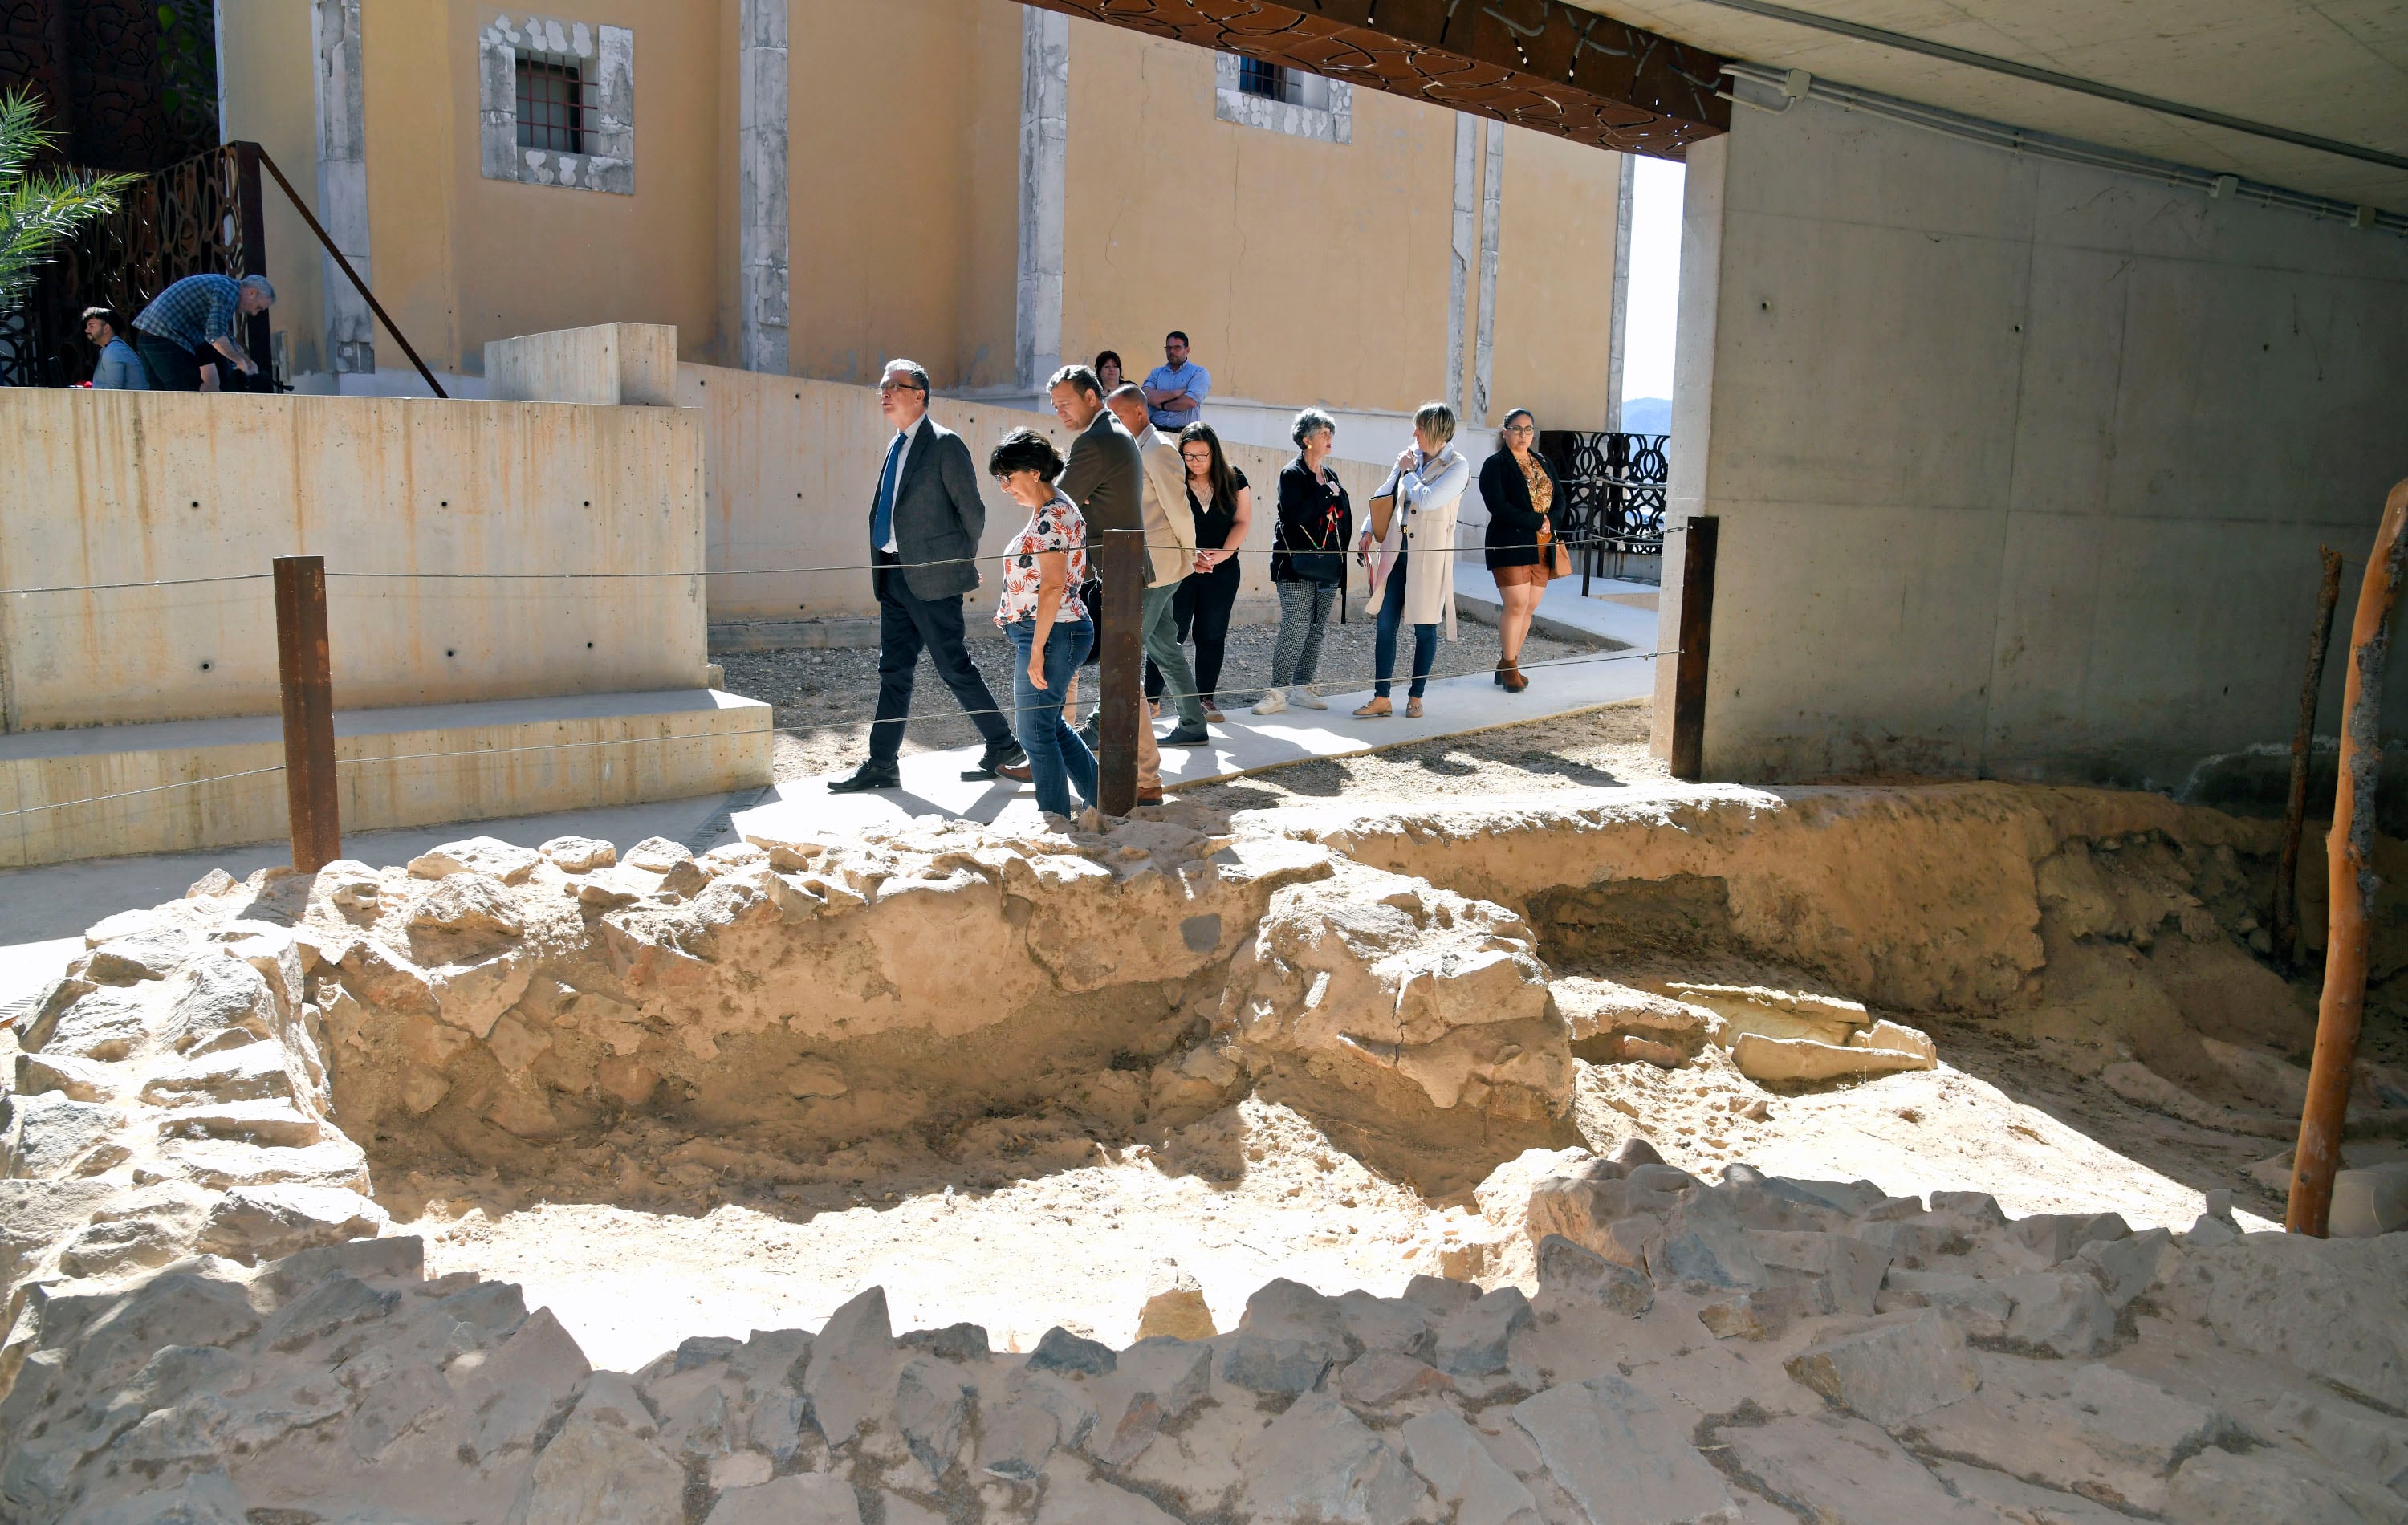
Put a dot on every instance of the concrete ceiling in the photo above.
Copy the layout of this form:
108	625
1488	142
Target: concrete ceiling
2337	69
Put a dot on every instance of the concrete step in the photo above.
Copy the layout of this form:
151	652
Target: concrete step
196	783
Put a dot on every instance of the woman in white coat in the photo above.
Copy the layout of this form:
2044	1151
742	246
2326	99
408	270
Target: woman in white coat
1412	564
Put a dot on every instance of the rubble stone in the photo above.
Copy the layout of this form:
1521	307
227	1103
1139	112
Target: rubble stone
1622	1458
1890	1368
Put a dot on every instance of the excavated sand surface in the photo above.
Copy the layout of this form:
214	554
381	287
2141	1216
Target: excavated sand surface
1672	1155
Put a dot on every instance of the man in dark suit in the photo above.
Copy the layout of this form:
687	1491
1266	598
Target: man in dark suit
924	522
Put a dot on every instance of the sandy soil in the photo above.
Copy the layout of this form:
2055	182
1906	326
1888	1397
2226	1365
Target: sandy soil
1075	1245
823	700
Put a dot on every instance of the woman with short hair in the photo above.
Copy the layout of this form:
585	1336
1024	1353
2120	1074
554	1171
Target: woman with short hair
1308	561
1041	612
1413	577
1108	371
1522	494
1223	506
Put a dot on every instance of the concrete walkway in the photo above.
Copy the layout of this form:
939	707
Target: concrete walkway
1246	743
1614	611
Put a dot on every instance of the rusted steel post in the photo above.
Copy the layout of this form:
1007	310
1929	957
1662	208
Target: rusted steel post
306	675
2349	855
1700	536
1124	707
2294	808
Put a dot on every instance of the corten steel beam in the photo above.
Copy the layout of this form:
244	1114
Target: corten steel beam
1538	64
306	674
2349	859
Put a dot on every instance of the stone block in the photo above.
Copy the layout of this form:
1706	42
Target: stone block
1802	1060
1621	1459
1463	1475
932	1407
1060	1350
804	1499
50	1137
854	1365
1475	1341
1974	1305
2218	1488
253	1223
1891	1368
1317	1463
1572	1276
1852	1266
505	861
1387	1323
579	854
2128	1419
2062	1312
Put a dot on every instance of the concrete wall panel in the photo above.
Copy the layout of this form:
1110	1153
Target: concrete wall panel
137	487
2022	467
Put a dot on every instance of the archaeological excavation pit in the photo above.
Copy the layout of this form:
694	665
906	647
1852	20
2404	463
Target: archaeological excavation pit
1695	1154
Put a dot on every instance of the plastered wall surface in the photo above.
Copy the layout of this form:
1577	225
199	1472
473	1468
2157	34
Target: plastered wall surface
903	170
109	488
792	466
1555	281
2021	467
263	50
1298	268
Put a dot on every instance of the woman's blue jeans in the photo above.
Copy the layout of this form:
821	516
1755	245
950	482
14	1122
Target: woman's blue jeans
1058	761
1383	638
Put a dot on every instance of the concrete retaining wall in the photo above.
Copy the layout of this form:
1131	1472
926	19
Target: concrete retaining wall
118	487
2021	467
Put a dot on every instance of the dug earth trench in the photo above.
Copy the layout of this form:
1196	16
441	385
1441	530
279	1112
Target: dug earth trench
1511	1161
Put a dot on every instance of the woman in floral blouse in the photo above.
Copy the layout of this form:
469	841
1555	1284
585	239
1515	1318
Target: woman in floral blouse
1044	566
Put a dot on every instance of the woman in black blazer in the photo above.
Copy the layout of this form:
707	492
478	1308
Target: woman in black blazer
1524	525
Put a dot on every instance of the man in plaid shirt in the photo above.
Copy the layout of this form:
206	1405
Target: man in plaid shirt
187	332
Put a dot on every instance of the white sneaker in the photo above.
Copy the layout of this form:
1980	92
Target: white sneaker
1273	703
1306	698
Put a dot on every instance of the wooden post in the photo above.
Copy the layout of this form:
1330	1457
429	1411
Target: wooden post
1700	536
1122	671
305	670
2295	808
2349	855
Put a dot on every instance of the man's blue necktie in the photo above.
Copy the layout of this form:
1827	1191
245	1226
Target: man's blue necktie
881	518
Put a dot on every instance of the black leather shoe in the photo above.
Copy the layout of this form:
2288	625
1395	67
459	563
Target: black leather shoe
870	775
1186	735
998	754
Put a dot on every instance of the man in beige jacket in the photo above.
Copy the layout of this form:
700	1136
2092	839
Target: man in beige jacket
1171	548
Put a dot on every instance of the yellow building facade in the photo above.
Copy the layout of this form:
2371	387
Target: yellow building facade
814	186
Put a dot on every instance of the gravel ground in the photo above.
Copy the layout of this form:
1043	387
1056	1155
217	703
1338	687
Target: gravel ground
823	700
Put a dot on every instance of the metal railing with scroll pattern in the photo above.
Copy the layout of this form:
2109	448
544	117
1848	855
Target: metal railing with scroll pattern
1614	485
203	216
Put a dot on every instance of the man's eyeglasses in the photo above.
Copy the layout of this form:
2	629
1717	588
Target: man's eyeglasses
885	387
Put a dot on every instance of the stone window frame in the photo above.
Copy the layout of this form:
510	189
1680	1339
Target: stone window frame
605	57
1334	123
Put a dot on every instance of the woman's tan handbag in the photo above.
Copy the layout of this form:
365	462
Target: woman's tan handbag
1383	510
1563	560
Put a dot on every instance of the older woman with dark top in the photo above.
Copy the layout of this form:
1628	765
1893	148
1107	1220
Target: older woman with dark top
1308	561
1522	493
1108	370
1041	612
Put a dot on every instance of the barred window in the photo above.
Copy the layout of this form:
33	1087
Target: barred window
1267	80
551	106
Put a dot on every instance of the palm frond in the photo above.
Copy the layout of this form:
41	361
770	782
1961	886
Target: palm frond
39	212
